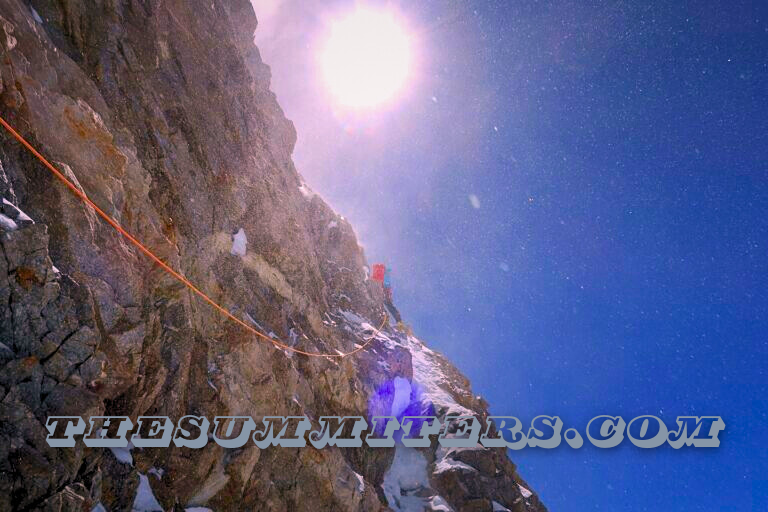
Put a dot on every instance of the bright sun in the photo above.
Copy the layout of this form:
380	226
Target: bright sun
366	58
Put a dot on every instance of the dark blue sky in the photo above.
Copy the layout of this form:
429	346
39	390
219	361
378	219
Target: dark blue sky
617	261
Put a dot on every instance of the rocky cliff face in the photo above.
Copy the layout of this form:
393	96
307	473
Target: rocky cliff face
161	112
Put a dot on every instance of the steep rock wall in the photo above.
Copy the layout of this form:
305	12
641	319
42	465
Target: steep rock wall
161	112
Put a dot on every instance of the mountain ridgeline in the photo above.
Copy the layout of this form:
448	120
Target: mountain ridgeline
161	113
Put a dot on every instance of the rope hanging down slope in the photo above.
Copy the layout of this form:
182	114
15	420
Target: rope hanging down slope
147	252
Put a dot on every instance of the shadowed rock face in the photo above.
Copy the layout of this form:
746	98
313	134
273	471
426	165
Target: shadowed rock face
161	112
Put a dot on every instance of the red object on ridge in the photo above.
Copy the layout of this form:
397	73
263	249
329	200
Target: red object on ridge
378	271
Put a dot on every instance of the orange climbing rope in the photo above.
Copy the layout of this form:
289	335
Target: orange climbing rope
112	222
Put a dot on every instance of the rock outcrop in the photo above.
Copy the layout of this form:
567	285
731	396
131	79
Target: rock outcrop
161	112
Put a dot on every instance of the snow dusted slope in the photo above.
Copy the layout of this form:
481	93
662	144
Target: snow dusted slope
438	478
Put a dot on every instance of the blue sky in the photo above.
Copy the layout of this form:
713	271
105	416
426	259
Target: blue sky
617	261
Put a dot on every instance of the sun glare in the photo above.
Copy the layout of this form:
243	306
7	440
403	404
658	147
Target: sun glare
366	59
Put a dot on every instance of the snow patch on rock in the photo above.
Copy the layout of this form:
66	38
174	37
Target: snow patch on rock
448	464
402	398
239	243
438	504
306	191
427	374
145	500
360	482
405	478
121	453
36	16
